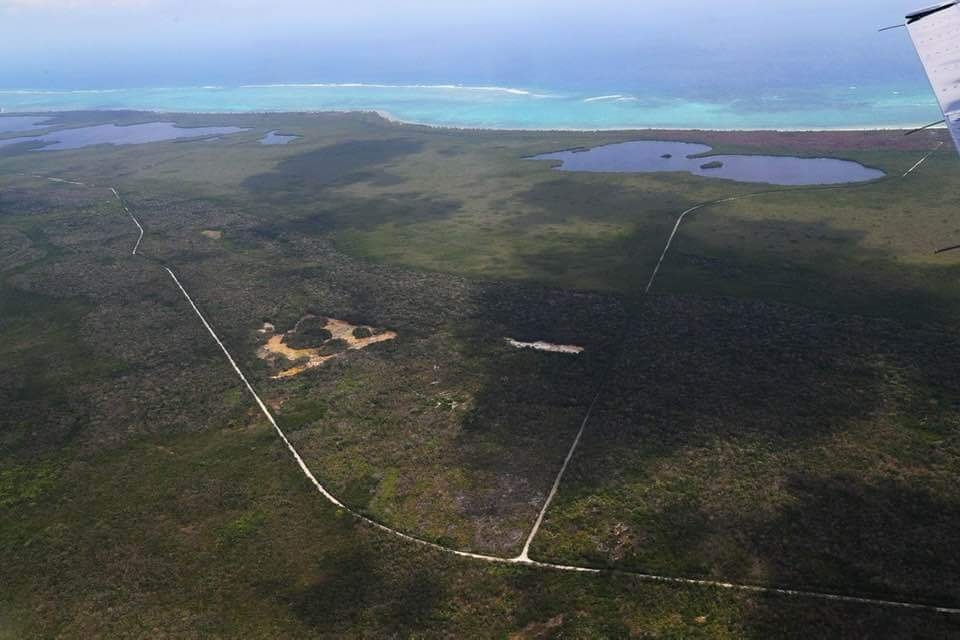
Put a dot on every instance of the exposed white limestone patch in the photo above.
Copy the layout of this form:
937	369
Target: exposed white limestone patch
540	345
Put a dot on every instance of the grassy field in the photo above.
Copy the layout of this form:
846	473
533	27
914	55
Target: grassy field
783	409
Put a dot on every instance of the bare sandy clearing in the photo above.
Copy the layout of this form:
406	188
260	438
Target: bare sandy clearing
343	337
213	234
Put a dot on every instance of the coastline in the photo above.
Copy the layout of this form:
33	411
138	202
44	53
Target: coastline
459	107
389	117
848	129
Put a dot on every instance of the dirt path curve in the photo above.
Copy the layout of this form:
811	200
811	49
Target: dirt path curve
135	221
523	559
676	227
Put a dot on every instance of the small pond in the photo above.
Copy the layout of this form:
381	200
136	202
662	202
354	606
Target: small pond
15	124
273	137
113	134
649	156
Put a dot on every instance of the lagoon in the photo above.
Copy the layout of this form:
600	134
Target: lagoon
652	156
15	124
273	137
118	135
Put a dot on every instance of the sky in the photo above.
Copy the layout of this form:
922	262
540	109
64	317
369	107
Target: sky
696	45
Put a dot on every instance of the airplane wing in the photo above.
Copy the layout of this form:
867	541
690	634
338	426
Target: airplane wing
936	36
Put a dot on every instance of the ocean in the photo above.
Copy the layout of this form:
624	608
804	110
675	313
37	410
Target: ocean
472	106
533	64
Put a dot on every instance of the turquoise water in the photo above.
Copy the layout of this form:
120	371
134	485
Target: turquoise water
521	108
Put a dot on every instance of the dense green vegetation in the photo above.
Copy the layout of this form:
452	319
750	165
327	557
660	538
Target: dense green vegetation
771	444
784	408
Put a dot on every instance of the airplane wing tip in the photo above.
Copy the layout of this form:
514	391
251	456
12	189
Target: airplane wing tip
935	32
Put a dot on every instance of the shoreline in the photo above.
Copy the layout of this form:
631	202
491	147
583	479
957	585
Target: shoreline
669	111
391	118
388	117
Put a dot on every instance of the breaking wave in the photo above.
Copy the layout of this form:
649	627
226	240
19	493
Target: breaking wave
616	97
366	85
